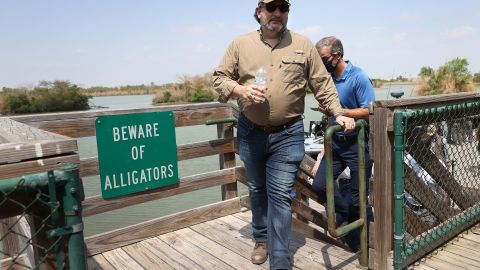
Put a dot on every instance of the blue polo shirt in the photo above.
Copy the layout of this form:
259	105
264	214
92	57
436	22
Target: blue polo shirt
354	89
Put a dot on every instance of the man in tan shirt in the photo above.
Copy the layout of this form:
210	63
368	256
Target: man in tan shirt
270	126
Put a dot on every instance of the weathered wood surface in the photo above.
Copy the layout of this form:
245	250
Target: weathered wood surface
82	124
89	166
96	204
439	207
222	243
426	100
460	253
454	229
25	150
227	159
138	232
383	189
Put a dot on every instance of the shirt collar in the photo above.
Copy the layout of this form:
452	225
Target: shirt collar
345	72
281	36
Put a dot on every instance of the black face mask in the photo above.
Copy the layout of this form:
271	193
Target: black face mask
329	66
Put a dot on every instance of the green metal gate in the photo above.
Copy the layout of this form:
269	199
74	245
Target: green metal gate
41	221
437	177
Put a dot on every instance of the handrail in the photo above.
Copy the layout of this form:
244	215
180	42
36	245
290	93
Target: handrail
362	221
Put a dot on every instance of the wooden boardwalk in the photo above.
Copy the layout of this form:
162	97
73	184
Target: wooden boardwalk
223	243
463	252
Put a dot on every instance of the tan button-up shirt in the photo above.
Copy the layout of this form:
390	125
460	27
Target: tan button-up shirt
291	65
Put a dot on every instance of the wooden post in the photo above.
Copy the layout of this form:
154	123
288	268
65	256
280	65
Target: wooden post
227	160
383	188
10	243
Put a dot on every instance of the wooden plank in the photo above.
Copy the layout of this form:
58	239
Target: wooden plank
432	165
14	131
172	257
196	254
309	214
138	232
432	245
414	225
89	166
218	230
119	259
10	242
428	100
96	204
246	217
307	253
19	264
383	189
424	194
463	251
82	124
464	262
17	152
36	166
227	160
229	257
145	257
98	262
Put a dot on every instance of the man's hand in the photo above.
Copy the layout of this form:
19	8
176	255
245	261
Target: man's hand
253	93
347	123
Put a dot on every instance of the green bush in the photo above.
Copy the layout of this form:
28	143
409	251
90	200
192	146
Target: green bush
201	95
47	97
452	77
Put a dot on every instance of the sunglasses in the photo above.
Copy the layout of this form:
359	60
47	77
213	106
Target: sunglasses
271	7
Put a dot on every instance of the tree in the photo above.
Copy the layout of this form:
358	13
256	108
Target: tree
476	77
452	77
426	72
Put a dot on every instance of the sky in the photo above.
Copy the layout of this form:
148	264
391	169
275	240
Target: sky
120	42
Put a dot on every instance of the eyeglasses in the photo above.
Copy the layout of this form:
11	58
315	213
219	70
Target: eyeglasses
326	58
271	7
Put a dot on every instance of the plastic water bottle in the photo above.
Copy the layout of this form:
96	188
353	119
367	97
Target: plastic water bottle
261	77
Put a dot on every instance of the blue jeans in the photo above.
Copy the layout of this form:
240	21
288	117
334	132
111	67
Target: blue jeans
347	199
271	161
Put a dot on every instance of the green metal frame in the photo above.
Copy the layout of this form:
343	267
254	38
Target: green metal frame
401	250
71	197
362	222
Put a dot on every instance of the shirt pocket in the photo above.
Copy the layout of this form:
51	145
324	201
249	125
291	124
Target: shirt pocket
293	68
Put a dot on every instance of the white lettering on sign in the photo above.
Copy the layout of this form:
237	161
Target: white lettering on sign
135	132
136	177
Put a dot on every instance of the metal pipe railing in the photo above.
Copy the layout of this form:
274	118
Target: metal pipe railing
362	221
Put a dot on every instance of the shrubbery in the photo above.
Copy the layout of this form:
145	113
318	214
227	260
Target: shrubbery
189	89
46	97
452	77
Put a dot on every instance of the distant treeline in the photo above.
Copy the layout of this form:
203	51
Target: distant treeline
46	97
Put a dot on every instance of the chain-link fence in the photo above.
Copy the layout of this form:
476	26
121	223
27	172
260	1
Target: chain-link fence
438	169
40	221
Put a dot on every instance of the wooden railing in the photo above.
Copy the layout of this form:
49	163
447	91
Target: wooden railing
54	143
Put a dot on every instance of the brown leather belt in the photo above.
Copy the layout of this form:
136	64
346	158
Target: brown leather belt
273	129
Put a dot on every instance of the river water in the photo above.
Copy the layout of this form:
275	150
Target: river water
146	211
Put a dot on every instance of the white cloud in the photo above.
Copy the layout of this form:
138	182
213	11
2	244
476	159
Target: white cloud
80	51
202	48
377	30
462	31
400	36
203	28
311	30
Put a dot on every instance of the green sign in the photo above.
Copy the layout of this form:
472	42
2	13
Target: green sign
136	152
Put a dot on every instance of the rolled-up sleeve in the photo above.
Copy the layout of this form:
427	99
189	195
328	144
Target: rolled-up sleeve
322	85
225	77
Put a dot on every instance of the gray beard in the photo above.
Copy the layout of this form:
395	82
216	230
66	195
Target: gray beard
270	28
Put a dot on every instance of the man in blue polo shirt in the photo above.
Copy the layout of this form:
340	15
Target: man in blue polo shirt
355	92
